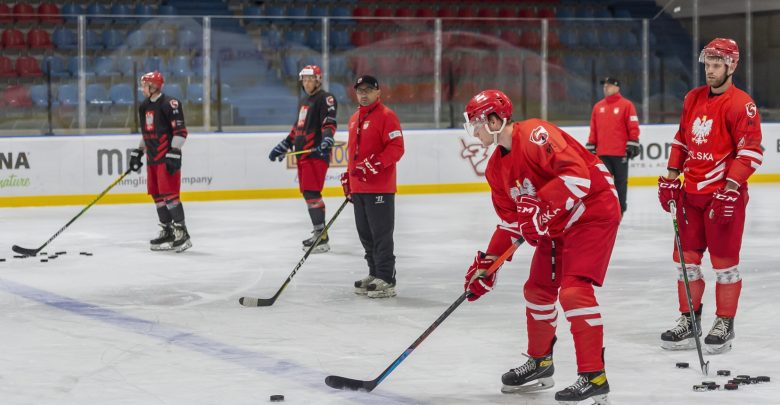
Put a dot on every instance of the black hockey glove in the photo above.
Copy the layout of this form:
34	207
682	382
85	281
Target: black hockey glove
632	149
135	159
591	148
280	150
324	148
173	160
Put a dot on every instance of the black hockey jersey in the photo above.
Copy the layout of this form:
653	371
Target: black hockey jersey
161	120
316	120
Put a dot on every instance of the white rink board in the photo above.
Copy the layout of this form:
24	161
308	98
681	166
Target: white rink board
70	165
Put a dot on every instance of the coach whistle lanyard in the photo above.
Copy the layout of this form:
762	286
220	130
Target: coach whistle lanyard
360	127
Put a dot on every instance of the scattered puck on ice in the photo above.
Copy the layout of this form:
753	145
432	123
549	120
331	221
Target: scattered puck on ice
85	253
19	256
762	378
724	373
682	365
708	383
730	386
44	260
61	253
277	398
744	377
698	387
737	381
2	259
713	387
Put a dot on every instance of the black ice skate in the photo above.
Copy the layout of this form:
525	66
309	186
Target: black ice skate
681	336
379	288
182	238
719	339
534	375
165	240
361	286
321	247
588	385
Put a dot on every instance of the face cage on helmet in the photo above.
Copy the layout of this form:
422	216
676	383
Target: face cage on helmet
715	53
473	125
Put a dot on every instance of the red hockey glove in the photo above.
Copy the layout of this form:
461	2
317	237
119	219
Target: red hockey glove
668	190
723	204
533	216
477	285
345	186
369	166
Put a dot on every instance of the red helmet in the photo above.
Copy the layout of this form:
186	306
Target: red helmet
488	102
155	78
310	70
724	48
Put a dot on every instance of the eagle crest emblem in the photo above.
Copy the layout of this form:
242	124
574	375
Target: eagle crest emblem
701	129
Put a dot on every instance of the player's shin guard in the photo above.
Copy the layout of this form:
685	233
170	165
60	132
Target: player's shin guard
583	313
176	209
727	290
696	283
162	210
541	318
316	207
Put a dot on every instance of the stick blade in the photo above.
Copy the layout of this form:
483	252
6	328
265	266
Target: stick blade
252	302
343	383
24	251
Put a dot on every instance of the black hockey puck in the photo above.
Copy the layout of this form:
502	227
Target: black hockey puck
708	383
682	365
699	388
2	259
724	373
277	398
731	386
713	387
744	377
44	260
763	378
19	256
61	253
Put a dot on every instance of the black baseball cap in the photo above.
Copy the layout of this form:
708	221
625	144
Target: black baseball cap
371	81
610	80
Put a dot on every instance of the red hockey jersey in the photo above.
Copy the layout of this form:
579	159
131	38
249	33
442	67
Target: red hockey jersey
375	130
613	122
719	138
548	163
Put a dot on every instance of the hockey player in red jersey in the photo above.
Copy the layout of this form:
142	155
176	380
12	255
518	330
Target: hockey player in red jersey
548	189
164	134
313	131
717	147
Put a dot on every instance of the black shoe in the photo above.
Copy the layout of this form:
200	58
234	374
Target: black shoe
164	240
681	336
182	238
535	375
588	385
719	339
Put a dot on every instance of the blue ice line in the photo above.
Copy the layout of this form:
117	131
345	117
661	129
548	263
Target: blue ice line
188	340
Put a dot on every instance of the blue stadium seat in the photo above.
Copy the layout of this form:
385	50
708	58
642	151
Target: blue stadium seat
173	90
68	95
272	38
568	37
602	12
164	39
73	66
297	11
137	39
275	11
296	37
338	66
253	11
104	66
152	63
628	40
339	91
93	40
314	39
122	94
144	10
96	94
71	11
343	15
180	66
339	40
112	39
121	9
58	68
227	93
187	39
98	9
124	65
622	13
318	11
609	39
195	93
167	10
64	38
40	96
589	38
583	12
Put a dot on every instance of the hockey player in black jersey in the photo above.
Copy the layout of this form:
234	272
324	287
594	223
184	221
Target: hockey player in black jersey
164	134
313	130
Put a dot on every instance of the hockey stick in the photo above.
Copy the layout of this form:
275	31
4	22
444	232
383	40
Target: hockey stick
300	152
696	329
33	252
265	302
340	383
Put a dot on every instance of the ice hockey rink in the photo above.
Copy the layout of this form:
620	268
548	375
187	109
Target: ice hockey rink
131	326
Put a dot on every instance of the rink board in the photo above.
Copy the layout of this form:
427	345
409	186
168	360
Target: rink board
36	171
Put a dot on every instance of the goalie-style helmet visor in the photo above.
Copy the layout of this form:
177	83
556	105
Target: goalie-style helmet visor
474	124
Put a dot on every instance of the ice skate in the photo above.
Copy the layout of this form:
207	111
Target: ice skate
379	288
681	336
165	240
361	286
534	375
321	247
719	339
182	238
592	385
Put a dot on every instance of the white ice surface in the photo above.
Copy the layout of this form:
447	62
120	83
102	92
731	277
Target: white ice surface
131	326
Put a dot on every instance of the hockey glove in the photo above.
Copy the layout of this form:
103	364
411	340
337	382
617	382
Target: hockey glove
370	166
533	217
173	160
632	149
476	282
723	205
345	186
668	190
135	160
591	148
324	148
278	152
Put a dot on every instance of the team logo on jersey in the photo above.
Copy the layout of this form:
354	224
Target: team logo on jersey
365	124
751	109
616	110
394	134
539	135
701	129
527	188
601	109
149	121
329	100
302	115
174	104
